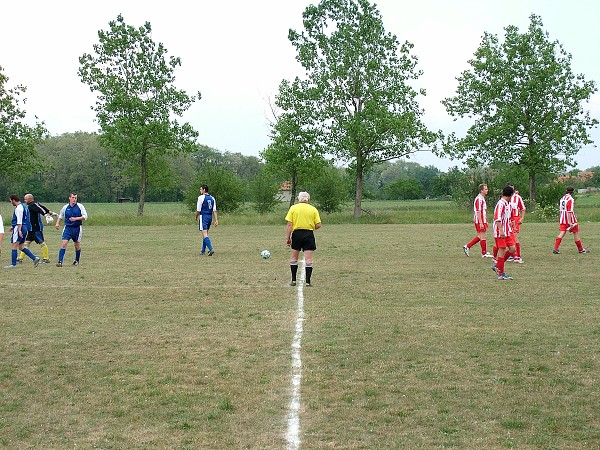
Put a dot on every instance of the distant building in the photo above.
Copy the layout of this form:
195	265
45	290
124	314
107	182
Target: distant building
285	191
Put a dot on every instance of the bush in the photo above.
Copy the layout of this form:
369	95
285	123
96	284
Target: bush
329	191
264	192
227	189
405	189
550	194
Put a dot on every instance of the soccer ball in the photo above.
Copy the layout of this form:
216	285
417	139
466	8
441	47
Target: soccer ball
265	254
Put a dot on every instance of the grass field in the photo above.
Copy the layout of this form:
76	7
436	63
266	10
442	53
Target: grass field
407	343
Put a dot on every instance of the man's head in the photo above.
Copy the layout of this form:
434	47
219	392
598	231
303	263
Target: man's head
570	189
72	199
508	191
204	189
28	198
304	197
15	199
483	189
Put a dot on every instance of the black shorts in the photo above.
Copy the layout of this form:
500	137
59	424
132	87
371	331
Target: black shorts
303	240
35	236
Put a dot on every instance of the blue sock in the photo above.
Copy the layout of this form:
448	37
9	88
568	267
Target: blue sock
207	242
13	255
77	254
203	246
61	254
28	253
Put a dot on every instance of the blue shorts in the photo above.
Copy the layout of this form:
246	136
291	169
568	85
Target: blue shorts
204	223
14	238
72	233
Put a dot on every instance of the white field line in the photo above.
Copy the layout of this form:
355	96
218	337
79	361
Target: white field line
293	431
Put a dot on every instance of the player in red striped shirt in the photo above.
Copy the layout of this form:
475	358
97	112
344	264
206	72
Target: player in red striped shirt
518	215
480	221
503	233
568	221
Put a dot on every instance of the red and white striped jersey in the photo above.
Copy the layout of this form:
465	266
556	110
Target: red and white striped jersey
567	207
502	215
517	205
479	205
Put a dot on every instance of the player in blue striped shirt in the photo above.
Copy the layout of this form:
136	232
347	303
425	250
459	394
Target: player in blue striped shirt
20	226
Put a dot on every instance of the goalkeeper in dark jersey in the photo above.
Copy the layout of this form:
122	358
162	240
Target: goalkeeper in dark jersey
37	213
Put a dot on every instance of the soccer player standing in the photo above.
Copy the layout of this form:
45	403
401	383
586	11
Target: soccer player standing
480	221
503	234
518	216
568	222
36	213
302	220
74	214
20	226
206	208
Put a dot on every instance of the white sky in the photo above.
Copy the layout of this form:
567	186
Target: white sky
236	52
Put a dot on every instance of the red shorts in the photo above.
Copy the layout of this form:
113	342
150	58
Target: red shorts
510	240
564	226
481	227
505	242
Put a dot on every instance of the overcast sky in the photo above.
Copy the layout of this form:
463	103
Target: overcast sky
236	52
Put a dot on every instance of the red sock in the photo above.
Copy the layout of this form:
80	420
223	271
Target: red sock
474	241
483	244
500	265
518	245
579	245
557	243
495	252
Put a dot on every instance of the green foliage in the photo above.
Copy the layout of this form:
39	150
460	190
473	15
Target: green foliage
17	139
137	99
550	194
357	96
329	191
264	193
405	189
293	155
224	186
526	101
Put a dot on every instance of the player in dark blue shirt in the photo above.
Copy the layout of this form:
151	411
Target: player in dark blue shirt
74	214
206	208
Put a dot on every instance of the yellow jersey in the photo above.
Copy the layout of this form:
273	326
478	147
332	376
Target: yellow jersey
303	216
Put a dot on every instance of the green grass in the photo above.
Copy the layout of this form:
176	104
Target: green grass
407	343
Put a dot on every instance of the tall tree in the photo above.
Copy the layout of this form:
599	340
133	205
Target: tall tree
526	101
137	98
358	87
17	139
292	154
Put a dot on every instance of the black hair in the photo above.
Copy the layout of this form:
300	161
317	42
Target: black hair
205	187
15	197
508	191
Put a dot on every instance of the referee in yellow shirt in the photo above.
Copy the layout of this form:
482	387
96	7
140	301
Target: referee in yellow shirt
302	220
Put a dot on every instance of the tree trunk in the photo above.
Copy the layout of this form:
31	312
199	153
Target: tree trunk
532	191
359	192
144	176
293	188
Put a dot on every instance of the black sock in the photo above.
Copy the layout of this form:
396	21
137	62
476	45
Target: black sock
308	273
294	269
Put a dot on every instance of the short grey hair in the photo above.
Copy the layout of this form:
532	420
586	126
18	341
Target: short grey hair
303	197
